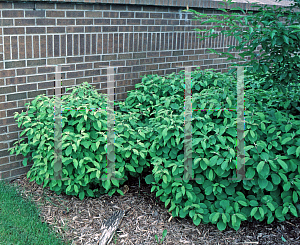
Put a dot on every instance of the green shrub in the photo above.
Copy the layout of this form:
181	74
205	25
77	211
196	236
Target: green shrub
272	146
150	135
277	61
155	93
84	144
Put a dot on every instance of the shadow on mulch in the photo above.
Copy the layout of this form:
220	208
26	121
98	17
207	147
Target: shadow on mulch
145	216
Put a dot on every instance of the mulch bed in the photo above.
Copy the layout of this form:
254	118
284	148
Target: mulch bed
145	216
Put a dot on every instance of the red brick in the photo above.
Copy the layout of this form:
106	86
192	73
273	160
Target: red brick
21	47
29	47
36	46
27	87
55	13
5	137
12	13
20	171
4	175
35	30
15	80
35	13
7	48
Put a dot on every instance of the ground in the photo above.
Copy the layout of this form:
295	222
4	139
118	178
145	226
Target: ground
145	216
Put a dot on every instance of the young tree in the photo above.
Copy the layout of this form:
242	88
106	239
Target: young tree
278	61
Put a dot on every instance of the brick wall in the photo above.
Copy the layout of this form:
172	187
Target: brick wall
137	39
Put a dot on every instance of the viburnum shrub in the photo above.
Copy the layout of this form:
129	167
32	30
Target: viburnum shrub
84	144
272	146
155	92
155	141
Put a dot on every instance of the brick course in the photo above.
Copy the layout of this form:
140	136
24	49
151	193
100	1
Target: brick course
137	39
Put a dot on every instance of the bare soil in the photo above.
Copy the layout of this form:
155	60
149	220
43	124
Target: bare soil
145	216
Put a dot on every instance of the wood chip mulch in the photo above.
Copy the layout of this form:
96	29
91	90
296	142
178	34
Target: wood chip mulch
145	216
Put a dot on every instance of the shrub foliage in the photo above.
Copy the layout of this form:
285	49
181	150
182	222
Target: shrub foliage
149	131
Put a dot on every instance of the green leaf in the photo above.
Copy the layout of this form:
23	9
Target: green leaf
264	156
262	183
75	162
288	127
231	151
260	166
211	175
284	141
275	179
81	195
291	150
189	195
261	211
253	211
243	203
215	217
298	151
273	33
224	218
286	186
25	162
228	101
165	132
90	192
130	168
221	225
115	182
178	195
272	130
213	161
197	221
295	197
224	165
271	206
69	150
127	154
86	144
107	184
233	219
76	188
165	179
283	164
241	216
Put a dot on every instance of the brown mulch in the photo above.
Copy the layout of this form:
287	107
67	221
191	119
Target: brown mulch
145	216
